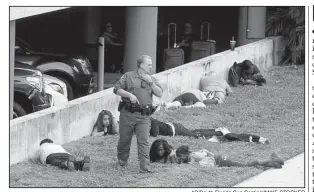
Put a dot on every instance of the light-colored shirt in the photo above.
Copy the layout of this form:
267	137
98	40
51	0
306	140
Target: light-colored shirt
204	158
49	148
212	83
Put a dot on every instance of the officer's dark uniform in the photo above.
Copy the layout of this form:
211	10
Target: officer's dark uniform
130	120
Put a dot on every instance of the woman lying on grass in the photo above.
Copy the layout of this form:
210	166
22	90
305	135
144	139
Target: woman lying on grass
208	159
173	129
105	124
162	152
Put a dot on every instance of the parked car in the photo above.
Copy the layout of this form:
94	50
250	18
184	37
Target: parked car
57	89
74	70
29	94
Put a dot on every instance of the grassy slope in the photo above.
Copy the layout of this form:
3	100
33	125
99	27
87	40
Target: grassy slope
275	111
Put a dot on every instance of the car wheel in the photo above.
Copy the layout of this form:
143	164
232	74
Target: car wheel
18	110
69	88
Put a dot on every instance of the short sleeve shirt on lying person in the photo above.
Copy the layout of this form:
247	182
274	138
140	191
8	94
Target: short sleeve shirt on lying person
204	158
133	83
47	149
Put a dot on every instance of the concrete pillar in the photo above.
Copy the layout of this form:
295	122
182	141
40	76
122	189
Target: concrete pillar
252	25
101	63
92	31
12	58
141	36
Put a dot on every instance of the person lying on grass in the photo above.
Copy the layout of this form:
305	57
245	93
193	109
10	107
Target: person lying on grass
245	73
56	155
161	152
105	124
191	97
215	87
208	159
213	135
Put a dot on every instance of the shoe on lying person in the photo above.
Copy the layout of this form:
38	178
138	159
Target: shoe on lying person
70	165
213	139
122	163
146	171
86	164
263	140
223	130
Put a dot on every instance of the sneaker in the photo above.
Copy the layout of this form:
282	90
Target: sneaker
223	130
70	165
146	171
122	163
214	139
86	164
63	165
276	158
263	140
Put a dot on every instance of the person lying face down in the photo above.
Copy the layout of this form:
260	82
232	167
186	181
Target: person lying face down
161	152
206	158
215	87
245	73
213	135
105	124
191	97
56	155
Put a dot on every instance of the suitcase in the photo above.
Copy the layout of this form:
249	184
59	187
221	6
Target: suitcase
201	49
173	57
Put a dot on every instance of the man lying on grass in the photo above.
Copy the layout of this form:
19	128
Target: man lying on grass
56	155
209	159
213	135
213	91
162	152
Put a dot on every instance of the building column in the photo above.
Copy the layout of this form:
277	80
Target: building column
92	31
252	24
12	58
140	36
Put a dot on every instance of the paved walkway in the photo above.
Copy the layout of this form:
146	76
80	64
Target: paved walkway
290	175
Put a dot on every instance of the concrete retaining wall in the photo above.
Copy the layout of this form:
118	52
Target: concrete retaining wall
75	120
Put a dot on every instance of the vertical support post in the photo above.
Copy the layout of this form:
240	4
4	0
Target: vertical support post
101	63
12	58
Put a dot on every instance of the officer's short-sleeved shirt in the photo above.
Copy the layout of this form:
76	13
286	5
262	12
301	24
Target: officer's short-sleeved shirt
133	83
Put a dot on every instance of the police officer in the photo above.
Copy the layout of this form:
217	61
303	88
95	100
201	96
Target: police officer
137	87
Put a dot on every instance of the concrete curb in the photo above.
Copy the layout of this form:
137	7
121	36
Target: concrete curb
291	175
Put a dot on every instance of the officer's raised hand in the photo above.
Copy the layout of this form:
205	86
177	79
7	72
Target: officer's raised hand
144	70
147	78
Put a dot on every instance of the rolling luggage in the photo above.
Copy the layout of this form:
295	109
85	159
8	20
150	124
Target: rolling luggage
201	49
173	57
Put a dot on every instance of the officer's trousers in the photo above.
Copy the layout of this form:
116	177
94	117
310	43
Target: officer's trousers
130	122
